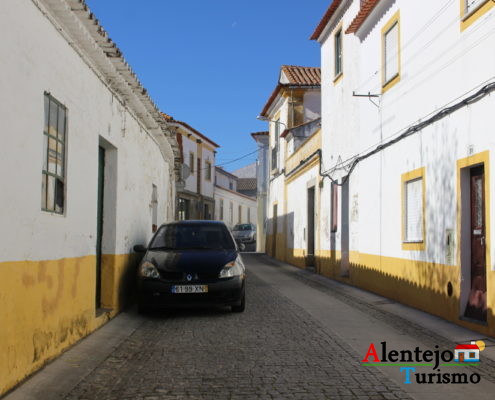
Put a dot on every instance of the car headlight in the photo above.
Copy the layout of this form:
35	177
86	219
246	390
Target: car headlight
230	270
148	270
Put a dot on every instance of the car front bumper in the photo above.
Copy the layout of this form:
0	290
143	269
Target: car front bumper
245	239
158	294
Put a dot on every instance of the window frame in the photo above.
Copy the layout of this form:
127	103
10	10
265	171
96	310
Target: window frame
389	83
59	188
338	54
405	179
192	160
208	170
275	148
467	18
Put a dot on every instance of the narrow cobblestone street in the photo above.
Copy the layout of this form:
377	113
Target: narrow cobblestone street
274	350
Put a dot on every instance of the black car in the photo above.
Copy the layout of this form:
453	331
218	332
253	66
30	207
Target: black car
191	263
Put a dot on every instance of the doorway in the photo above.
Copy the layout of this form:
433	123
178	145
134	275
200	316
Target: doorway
474	273
310	259
344	243
275	229
99	223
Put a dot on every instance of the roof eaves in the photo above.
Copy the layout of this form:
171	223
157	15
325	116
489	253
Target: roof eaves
79	25
189	127
365	11
325	19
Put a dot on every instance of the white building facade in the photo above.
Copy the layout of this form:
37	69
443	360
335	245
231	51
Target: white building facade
407	149
195	195
231	206
293	114
88	171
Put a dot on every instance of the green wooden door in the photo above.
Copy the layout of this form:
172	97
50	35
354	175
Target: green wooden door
99	226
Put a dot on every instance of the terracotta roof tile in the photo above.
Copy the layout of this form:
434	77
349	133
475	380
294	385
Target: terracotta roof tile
246	184
303	76
297	76
366	8
324	21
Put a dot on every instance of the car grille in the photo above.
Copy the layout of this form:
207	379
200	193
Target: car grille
172	276
181	276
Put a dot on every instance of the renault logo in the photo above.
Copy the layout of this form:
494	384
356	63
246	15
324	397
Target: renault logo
189	277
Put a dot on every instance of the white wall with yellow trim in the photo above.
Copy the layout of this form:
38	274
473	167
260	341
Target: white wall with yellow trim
48	263
442	60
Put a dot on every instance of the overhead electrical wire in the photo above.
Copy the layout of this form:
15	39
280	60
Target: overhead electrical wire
412	129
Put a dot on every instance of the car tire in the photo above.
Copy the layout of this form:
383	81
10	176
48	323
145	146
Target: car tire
241	307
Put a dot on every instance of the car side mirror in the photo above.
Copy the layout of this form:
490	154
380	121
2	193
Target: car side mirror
139	248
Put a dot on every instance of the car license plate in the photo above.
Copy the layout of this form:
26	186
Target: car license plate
190	289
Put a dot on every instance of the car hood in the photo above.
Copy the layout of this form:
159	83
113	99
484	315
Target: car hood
191	261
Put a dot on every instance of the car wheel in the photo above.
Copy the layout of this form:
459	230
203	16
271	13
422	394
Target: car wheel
241	307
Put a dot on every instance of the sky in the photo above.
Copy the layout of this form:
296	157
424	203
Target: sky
213	63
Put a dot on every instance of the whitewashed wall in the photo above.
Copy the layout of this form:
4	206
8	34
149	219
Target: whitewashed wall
207	185
189	145
297	209
40	59
225	180
237	199
439	64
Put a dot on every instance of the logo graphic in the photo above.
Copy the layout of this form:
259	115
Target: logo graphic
467	352
409	360
189	277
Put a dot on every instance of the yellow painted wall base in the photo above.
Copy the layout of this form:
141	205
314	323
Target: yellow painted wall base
49	305
418	284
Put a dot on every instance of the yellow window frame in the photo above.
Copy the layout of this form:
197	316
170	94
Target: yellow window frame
405	178
467	19
395	19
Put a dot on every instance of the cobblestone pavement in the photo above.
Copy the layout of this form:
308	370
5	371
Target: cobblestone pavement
406	326
274	350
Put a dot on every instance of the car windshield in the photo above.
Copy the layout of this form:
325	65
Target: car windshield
192	236
243	227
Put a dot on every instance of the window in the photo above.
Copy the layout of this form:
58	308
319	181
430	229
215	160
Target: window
413	210
240	214
231	213
275	146
208	171
53	172
338	52
391	53
221	209
472	5
191	162
231	185
249	215
471	10
335	207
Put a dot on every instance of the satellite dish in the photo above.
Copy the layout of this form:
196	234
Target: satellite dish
185	171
